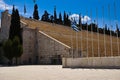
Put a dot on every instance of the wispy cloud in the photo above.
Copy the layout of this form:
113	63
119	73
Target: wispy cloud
83	19
4	6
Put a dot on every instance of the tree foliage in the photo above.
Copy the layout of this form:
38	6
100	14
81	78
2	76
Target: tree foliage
51	18
93	27
15	27
12	49
17	48
35	13
45	16
64	18
60	19
55	15
8	50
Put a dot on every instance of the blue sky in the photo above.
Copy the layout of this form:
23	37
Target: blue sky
85	7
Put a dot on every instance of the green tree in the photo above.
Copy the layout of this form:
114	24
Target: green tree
12	25
17	48
1	55
60	18
80	22
8	50
68	21
105	29
55	15
64	18
51	18
117	30
18	26
45	16
35	13
12	49
15	27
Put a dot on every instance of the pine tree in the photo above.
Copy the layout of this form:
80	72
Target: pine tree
35	13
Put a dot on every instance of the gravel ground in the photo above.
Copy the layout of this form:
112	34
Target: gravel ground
51	72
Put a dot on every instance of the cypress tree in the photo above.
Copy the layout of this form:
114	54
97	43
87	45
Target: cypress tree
17	48
117	30
8	50
60	18
67	21
64	18
15	28
12	26
18	28
35	13
105	28
55	15
80	20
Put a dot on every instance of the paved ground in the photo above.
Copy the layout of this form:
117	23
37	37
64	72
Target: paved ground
43	72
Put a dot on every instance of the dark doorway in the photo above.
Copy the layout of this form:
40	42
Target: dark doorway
56	60
36	60
30	61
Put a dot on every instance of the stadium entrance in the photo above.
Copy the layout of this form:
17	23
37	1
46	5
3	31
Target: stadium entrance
56	60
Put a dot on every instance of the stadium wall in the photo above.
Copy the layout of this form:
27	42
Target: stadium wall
38	47
91	62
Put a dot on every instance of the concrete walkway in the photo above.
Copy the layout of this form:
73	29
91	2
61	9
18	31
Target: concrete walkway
50	72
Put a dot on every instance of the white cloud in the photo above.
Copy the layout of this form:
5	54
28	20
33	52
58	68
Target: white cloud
3	5
86	18
76	17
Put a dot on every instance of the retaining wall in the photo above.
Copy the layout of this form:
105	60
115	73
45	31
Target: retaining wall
92	62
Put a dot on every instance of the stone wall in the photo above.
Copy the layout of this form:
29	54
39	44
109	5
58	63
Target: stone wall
50	49
91	62
38	47
5	25
29	39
